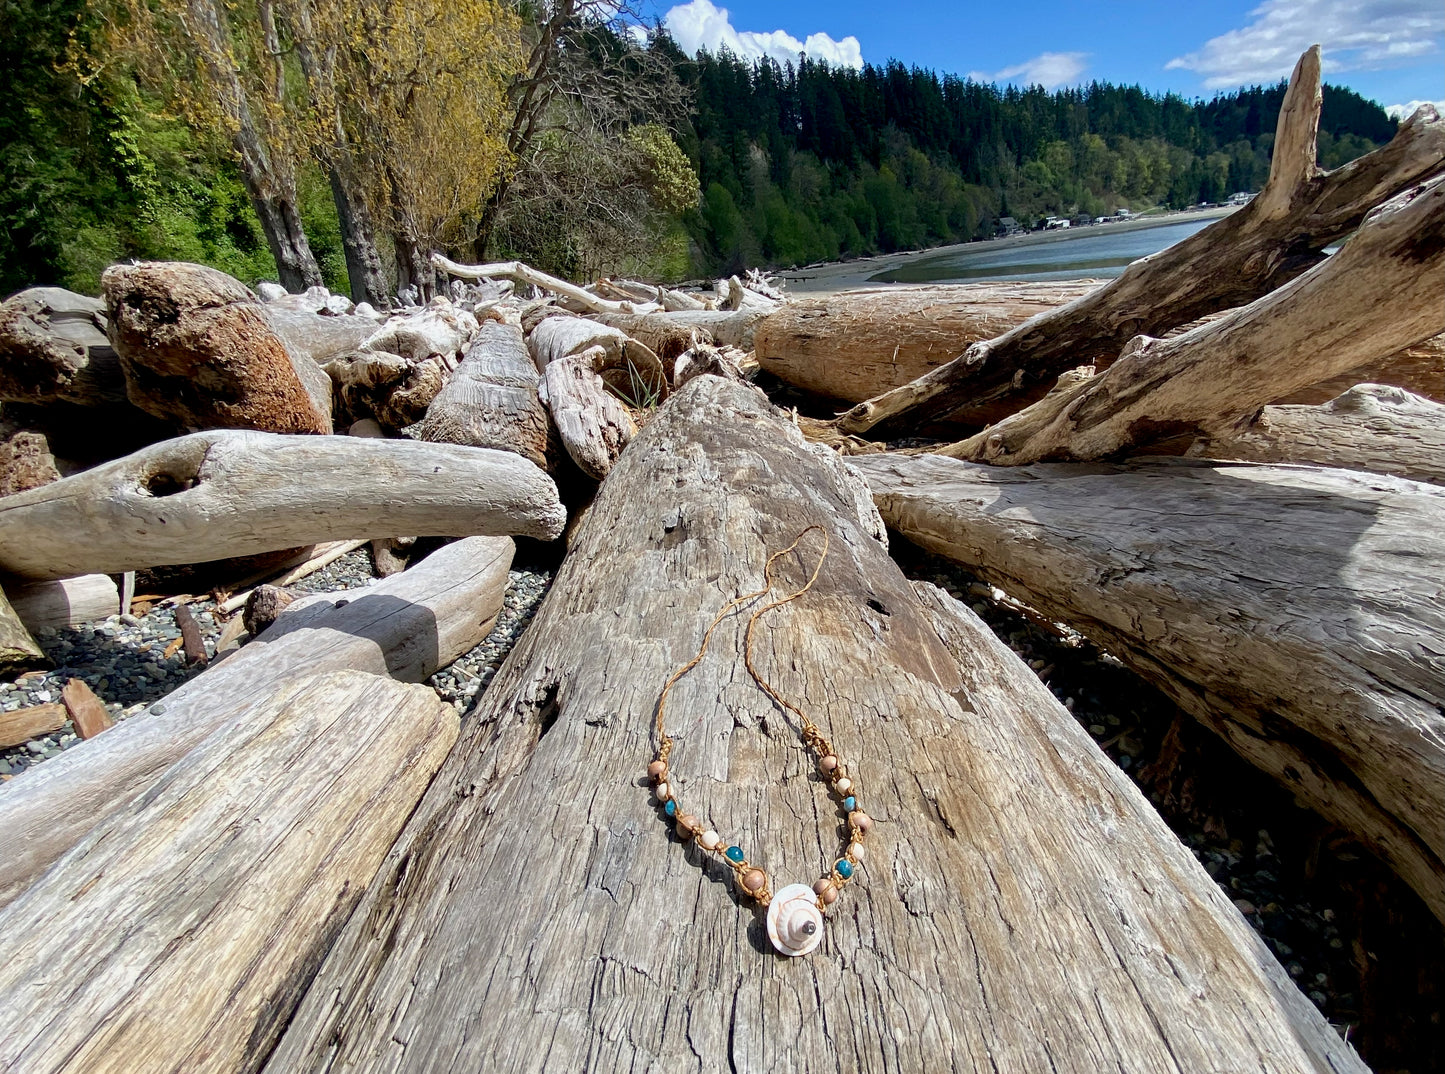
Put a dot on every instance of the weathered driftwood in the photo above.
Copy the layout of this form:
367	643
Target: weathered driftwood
859	344
179	935
593	426
87	711
726	328
18	650
440	329
491	400
393	390
523	273
53	348
1295	611
1370	427
629	367
1383	291
1420	370
19	726
1282	232
1021	907
65	602
703	358
316	337
231	493
312	559
405	627
197	347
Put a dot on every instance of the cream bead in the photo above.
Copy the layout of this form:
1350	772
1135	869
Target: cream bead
709	839
844	785
663	792
855	851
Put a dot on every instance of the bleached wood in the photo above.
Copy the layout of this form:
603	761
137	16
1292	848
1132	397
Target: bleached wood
1022	908
560	336
726	328
1383	291
406	627
523	273
1419	369
491	400
180	933
65	602
1282	232
318	337
593	425
53	348
1372	427
18	650
232	493
1295	611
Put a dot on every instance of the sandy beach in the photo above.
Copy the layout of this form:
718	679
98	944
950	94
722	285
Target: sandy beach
848	275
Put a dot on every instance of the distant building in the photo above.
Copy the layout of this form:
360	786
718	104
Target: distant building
1082	220
1007	225
1240	198
1056	223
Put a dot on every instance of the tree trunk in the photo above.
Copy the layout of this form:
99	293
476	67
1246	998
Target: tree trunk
405	627
414	267
1022	907
1371	427
1383	291
358	239
228	493
179	935
1177	568
1277	236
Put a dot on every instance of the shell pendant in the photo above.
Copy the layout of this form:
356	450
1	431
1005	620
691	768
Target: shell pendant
795	924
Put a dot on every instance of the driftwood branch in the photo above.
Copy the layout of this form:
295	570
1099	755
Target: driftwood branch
405	627
1383	291
231	493
1294	611
593	425
524	273
1277	236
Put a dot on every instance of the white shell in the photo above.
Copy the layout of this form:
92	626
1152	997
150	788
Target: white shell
795	924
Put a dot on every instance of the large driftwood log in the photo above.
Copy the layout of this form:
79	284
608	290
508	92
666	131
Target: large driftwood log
233	493
1372	427
441	329
53	348
406	627
726	328
1278	235
859	344
18	650
180	934
65	602
630	368
1295	611
393	390
317	337
1420	370
1383	291
492	400
198	348
1022	907
593	425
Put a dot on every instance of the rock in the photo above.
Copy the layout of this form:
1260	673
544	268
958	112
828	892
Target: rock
53	348
25	460
197	347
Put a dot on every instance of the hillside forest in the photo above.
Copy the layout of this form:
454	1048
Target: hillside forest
339	142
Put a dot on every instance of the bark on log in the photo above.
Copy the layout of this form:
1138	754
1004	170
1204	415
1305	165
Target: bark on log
632	369
197	347
1372	427
53	348
1383	291
1177	568
491	400
1279	234
18	650
65	602
593	426
405	627
998	824
205	904
233	493
859	344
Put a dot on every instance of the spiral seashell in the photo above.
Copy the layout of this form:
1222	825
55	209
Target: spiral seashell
795	924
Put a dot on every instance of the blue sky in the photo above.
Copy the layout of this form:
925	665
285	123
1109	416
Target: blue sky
1392	51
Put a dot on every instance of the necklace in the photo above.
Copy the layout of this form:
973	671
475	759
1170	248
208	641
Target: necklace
795	914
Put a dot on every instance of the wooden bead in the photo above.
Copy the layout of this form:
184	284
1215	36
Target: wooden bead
686	825
663	791
844	785
829	896
709	839
823	885
754	880
657	770
828	763
861	821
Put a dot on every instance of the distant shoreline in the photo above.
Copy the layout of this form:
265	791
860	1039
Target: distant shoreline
850	275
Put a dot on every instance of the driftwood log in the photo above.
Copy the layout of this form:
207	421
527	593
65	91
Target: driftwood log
19	726
853	346
1420	370
492	400
1372	427
1383	291
1021	907
1282	232
65	602
405	627
1294	611
53	348
197	348
726	328
232	493
440	329
631	368
393	390
18	650
593	426
317	337
178	936
524	273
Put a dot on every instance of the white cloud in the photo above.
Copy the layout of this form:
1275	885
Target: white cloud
1356	35
1403	111
1048	69
700	25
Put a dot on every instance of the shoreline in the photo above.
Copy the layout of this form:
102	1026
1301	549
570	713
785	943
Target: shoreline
834	276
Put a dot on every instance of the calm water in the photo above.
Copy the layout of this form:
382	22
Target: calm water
1095	251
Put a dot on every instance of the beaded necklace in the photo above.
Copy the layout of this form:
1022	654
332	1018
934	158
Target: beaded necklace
795	913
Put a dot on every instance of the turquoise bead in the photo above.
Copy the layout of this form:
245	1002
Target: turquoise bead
670	808
850	803
734	854
844	867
